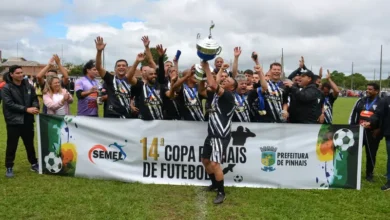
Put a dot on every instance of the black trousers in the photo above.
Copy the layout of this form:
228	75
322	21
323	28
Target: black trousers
371	145
25	131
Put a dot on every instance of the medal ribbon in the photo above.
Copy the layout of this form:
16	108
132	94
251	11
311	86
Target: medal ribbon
261	99
368	106
240	99
191	91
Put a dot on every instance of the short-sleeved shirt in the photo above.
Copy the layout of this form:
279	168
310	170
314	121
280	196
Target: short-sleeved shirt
190	103
150	101
87	106
220	114
119	93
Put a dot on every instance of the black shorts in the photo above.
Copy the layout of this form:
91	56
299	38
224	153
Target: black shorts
214	149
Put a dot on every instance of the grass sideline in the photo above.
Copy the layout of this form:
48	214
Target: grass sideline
33	196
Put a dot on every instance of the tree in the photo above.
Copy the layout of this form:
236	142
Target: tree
155	55
356	81
76	70
337	77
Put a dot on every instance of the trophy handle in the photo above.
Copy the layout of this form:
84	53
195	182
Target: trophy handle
219	50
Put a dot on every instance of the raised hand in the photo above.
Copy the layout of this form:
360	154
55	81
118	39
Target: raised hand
225	66
328	75
100	45
140	57
258	69
254	56
51	61
205	65
237	51
57	59
146	41
301	62
320	74
160	50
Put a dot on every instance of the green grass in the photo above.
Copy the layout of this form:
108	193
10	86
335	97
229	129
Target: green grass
33	196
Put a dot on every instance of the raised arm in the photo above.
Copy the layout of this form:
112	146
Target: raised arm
149	56
161	71
41	74
224	67
100	45
213	85
237	53
64	72
255	58
263	82
131	71
171	92
186	74
335	88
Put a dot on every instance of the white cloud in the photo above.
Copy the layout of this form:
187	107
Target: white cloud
82	32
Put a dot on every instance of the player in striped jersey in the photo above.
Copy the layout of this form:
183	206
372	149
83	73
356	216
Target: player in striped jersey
150	96
242	112
267	102
188	100
330	97
219	128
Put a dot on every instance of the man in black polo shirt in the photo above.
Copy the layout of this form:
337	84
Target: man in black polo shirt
118	89
188	99
219	128
150	97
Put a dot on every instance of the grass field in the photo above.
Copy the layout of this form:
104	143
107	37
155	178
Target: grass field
33	196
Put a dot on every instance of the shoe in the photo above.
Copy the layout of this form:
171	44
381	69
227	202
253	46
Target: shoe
210	188
386	186
220	198
35	167
9	172
370	178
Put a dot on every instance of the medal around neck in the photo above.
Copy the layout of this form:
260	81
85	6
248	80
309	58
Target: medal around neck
207	49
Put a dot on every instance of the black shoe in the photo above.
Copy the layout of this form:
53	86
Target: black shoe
35	168
386	186
210	188
370	178
220	198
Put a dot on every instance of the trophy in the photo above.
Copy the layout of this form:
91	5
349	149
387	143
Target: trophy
207	49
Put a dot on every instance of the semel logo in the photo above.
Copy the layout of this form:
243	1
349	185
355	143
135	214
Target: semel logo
115	153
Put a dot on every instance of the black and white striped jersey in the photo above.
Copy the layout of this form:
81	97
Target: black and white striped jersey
242	112
328	105
190	104
150	101
220	114
272	101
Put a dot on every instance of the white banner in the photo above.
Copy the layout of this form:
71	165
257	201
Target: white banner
168	152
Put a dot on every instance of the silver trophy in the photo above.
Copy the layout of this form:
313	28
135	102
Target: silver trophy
207	49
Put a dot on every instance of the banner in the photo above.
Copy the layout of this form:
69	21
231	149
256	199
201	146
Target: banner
169	152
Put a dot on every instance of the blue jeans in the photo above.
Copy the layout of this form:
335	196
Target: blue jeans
388	157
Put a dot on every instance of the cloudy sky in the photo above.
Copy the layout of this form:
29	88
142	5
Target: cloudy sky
331	34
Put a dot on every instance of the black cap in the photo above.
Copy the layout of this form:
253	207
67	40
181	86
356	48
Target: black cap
308	73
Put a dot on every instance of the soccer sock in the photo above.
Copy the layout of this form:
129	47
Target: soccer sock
220	186
213	181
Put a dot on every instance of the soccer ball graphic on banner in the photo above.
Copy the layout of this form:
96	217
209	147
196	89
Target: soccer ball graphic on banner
53	163
343	139
238	179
